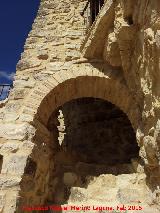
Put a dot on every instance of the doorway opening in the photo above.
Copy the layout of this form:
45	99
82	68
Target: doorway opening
93	137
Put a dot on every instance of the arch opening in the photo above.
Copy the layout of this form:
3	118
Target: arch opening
93	137
62	166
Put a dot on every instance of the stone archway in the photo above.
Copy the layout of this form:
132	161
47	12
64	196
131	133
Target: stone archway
47	98
83	81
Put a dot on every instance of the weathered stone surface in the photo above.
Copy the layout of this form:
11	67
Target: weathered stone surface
15	131
8	182
10	117
111	51
126	195
54	66
24	83
11	199
9	147
22	65
150	148
18	94
14	164
2	200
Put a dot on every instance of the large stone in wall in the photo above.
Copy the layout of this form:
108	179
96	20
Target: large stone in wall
15	131
111	51
14	164
9	182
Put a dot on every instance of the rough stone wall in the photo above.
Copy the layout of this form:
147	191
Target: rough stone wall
131	41
130	45
135	41
51	46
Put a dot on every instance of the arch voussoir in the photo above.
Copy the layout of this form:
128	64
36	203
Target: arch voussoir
52	81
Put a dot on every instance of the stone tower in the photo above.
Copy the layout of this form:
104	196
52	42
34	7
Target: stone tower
83	118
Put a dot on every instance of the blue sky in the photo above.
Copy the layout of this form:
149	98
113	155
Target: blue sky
16	18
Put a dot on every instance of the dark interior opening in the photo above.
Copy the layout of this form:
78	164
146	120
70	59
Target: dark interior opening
92	137
129	20
1	162
95	7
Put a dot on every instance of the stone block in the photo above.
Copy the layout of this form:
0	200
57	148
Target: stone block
14	131
77	195
54	57
111	51
42	54
14	164
26	64
8	182
2	200
9	147
54	66
26	118
10	117
72	55
10	204
24	83
18	93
